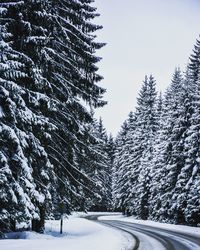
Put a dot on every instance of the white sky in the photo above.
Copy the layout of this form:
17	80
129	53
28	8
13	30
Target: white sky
143	37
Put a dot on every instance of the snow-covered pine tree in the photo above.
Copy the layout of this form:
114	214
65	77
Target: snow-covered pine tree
103	172
90	162
134	151
159	109
181	125
18	125
126	173
96	162
119	169
55	42
193	67
169	161
146	128
189	192
72	62
110	149
156	162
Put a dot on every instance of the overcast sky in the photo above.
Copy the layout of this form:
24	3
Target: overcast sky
143	37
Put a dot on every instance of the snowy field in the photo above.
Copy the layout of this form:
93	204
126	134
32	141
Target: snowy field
78	234
176	228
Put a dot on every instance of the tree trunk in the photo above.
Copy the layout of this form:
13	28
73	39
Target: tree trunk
13	225
61	224
38	225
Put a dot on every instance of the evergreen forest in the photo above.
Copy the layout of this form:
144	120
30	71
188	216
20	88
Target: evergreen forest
56	157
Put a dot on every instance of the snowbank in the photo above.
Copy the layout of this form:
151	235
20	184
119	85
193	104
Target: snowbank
78	234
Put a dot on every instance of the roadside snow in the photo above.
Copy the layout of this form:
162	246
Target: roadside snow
176	228
78	234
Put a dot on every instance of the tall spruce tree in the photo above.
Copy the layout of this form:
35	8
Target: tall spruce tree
146	128
133	156
19	124
118	191
48	70
190	175
168	154
103	169
124	172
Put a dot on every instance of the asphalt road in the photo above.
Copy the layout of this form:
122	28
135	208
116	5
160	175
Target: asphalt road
153	238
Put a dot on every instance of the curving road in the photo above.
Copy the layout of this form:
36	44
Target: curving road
154	238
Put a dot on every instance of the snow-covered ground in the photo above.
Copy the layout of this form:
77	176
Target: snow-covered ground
177	228
78	234
82	234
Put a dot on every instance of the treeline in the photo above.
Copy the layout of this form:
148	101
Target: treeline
52	151
157	159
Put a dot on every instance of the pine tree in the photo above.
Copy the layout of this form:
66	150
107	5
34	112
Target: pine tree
119	169
188	198
103	170
146	128
48	69
97	163
18	124
157	162
170	151
124	172
110	149
134	154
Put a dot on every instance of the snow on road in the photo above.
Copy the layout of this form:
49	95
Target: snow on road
195	231
150	233
78	234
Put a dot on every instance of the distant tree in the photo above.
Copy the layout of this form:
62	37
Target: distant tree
118	191
133	157
103	171
124	172
110	149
